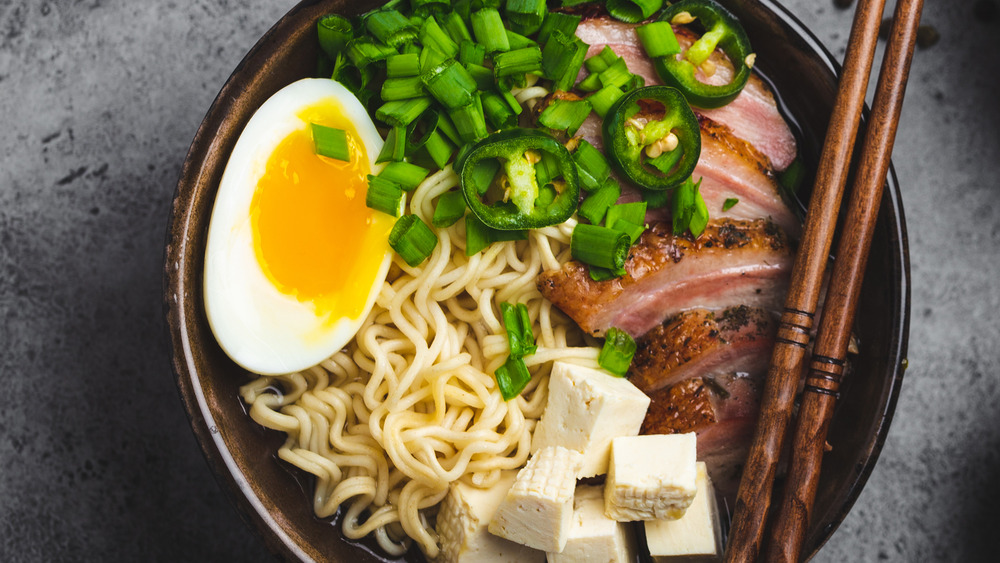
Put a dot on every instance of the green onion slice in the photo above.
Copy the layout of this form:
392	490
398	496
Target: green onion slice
658	39
450	208
600	246
488	29
565	115
407	175
633	11
412	239
591	166
512	377
331	142
617	353
334	33
596	204
729	203
390	27
384	196
518	325
400	66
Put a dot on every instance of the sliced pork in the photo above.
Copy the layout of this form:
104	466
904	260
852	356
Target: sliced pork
703	342
731	262
752	116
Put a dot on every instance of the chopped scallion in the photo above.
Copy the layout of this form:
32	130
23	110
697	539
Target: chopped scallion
407	175
601	61
600	246
596	204
512	377
482	75
402	112
450	208
656	198
617	353
383	195
658	39
632	212
470	53
526	16
430	58
401	66
439	149
394	148
364	51
518	61
455	26
520	340
483	174
562	59
688	209
470	122
331	142
487	27
591	166
729	203
402	88
617	75
633	11
431	35
566	23
518	41
565	115
390	27
498	114
412	239
603	99
334	33
450	84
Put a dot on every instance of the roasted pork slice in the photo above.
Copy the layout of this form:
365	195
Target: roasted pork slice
699	342
722	410
731	262
752	116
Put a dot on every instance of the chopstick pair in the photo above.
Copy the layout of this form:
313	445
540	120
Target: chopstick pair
828	360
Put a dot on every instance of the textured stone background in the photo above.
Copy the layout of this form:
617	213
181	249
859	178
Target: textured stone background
99	100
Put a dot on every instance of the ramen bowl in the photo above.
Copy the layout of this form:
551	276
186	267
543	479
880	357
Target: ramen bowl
276	499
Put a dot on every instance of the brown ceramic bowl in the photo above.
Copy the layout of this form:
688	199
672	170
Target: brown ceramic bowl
275	499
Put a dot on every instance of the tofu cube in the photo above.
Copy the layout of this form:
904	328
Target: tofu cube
586	409
651	477
538	509
593	537
693	537
462	521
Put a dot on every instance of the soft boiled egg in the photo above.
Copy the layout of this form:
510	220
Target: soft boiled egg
294	257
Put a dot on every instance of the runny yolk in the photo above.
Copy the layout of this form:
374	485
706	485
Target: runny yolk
314	237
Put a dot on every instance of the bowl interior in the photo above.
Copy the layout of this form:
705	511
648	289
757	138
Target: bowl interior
277	501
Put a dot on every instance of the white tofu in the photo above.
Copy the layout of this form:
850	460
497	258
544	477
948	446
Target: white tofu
651	477
593	537
586	409
693	537
538	509
462	521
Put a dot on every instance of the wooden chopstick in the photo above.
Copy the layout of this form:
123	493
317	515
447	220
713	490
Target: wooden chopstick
754	496
829	353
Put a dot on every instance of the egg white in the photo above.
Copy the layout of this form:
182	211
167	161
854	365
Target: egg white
261	328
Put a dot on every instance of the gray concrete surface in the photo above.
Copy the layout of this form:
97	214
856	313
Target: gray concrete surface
99	100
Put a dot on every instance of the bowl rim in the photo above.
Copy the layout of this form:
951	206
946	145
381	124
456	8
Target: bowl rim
211	442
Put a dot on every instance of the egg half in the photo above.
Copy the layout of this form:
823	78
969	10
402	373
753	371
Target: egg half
294	258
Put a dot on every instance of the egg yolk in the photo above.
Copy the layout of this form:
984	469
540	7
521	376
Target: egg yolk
314	237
